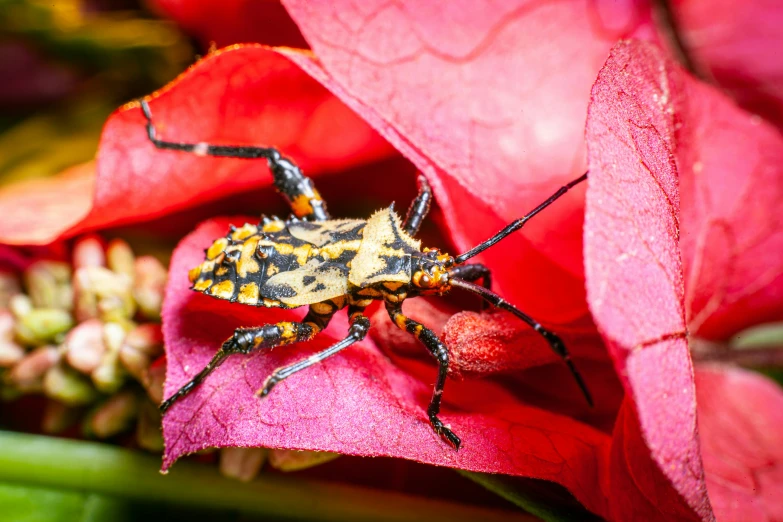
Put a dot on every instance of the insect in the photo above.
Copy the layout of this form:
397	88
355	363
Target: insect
330	264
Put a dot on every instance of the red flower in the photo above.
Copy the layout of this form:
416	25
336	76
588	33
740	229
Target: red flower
490	105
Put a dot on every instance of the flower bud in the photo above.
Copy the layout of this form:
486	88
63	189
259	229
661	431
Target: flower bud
242	464
293	460
142	345
58	417
10	352
115	415
41	325
88	252
28	374
149	285
9	287
148	434
120	258
153	380
68	386
84	348
100	293
109	376
49	284
20	305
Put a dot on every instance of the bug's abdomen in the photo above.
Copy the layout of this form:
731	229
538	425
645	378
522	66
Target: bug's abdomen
285	264
238	266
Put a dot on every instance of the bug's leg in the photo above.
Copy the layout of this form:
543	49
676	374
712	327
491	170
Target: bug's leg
419	208
360	324
297	188
441	354
554	341
246	340
472	272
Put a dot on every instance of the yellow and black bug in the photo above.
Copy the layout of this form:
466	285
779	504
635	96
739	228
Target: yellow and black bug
329	264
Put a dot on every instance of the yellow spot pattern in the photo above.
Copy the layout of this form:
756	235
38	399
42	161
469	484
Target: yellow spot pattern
223	290
274	226
194	273
244	232
217	248
202	285
248	294
247	263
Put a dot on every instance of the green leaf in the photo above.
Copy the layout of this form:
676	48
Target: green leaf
35	504
74	467
546	500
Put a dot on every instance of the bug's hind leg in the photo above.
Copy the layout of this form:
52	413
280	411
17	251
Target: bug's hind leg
441	354
419	208
246	340
297	188
360	324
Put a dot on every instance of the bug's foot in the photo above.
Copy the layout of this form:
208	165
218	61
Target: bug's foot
445	433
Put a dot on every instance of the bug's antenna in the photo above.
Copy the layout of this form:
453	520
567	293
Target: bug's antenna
519	223
554	341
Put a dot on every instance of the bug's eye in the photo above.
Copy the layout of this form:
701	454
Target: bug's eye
424	280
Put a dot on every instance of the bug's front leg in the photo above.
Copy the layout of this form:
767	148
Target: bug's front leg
555	343
473	272
360	325
247	340
419	208
297	188
441	354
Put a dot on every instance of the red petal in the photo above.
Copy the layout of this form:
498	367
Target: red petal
233	21
731	174
39	211
741	425
738	48
357	402
632	261
243	95
489	103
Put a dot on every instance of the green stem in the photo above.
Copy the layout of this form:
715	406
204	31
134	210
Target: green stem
74	465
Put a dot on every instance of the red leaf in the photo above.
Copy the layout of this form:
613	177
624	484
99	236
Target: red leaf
741	425
243	95
632	262
489	103
233	21
357	402
738	48
731	174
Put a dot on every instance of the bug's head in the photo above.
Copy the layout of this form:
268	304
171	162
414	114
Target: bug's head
431	272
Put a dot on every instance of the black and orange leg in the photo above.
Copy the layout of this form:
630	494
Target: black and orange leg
419	208
247	340
555	343
360	325
297	188
441	354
